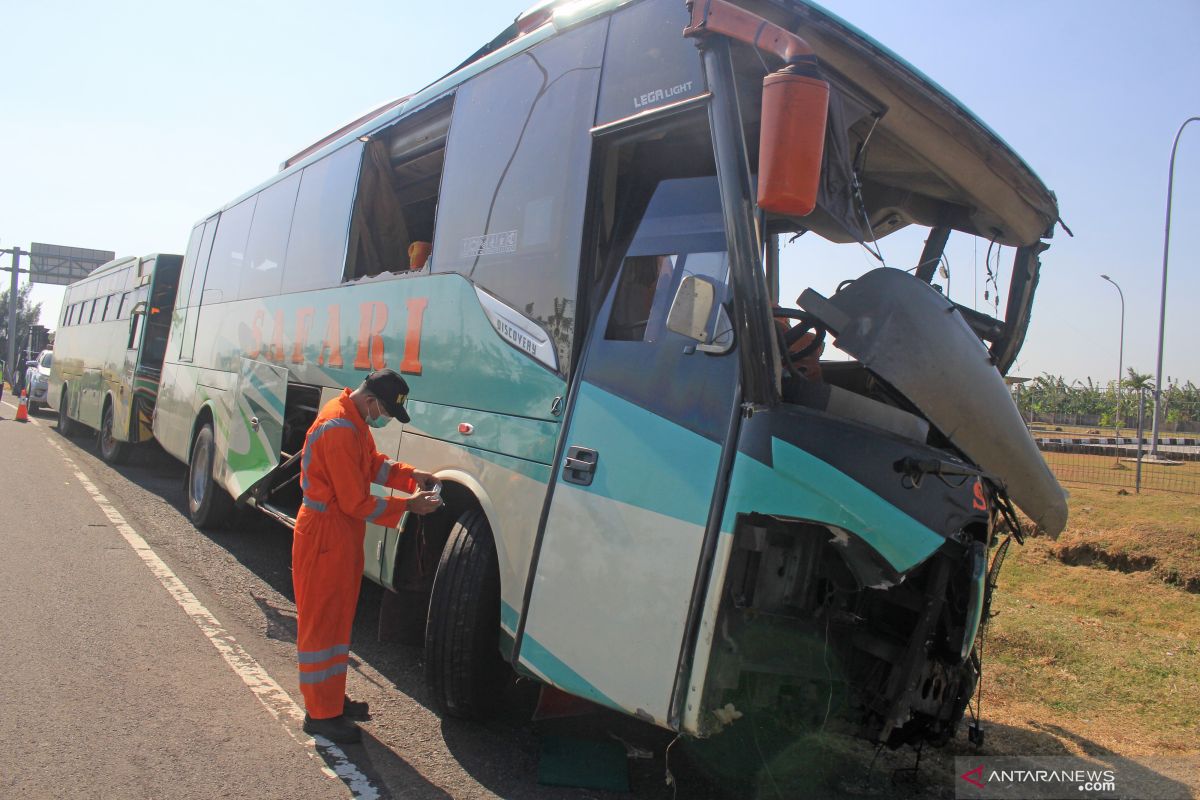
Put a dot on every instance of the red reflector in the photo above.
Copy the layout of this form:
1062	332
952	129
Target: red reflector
466	428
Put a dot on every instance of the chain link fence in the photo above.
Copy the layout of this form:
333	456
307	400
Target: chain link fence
1103	434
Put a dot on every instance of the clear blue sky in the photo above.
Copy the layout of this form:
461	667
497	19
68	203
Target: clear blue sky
124	123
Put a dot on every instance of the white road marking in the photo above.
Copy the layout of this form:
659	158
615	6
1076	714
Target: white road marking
14	408
265	688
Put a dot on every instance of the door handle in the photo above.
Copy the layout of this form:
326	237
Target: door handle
580	465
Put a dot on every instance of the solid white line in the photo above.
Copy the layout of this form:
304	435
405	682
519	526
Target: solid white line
265	688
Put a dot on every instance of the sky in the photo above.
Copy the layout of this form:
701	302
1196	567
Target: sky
124	123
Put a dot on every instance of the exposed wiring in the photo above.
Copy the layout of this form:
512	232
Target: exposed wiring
856	186
992	295
670	778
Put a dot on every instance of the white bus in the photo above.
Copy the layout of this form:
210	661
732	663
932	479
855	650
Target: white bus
108	351
569	247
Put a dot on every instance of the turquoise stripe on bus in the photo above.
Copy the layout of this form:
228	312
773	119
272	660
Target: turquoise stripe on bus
274	401
317	656
380	507
561	675
322	675
315	505
312	439
803	486
508	616
669	452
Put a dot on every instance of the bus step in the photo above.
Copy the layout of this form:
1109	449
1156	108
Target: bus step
277	514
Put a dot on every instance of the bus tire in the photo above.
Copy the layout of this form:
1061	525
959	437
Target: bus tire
463	666
209	505
112	450
66	426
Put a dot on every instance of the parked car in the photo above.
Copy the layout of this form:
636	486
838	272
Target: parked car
37	379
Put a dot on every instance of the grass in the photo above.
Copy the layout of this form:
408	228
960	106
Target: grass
1101	651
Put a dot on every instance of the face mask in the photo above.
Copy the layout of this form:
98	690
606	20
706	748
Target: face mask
379	421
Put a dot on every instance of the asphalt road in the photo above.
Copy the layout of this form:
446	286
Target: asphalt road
143	658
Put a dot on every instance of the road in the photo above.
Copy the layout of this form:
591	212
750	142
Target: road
145	658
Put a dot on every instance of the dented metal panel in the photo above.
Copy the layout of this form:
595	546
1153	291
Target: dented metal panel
915	339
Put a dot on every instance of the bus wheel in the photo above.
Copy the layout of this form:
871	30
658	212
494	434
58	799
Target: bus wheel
65	425
209	505
111	449
463	665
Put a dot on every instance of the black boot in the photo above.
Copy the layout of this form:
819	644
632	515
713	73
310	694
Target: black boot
335	729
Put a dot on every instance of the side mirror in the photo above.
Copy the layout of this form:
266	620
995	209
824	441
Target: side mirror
791	143
691	308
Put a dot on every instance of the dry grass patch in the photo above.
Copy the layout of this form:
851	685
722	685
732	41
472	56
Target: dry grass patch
1153	532
1111	660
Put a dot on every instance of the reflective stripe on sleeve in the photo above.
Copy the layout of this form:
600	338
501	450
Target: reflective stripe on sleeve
322	675
384	470
315	505
380	507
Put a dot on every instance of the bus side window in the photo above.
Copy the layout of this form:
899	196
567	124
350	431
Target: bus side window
189	268
262	266
645	284
228	258
515	184
316	250
396	203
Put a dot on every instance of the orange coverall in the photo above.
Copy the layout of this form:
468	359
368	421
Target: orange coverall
338	466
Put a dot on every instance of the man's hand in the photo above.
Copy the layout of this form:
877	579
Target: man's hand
424	502
424	480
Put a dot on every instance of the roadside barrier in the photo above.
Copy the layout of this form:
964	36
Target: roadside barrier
23	408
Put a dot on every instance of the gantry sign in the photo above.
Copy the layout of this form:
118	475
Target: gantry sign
57	264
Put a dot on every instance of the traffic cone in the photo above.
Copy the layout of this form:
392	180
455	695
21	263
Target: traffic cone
23	408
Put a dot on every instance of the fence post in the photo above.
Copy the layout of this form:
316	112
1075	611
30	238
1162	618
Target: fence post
1141	429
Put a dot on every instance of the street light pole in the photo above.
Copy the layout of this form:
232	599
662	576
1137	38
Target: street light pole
1162	312
1120	352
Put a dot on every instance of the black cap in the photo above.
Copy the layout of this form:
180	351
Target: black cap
390	389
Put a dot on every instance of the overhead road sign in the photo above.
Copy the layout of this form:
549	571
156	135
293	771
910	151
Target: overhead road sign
57	264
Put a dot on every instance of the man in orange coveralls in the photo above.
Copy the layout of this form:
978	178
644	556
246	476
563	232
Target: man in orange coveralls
338	466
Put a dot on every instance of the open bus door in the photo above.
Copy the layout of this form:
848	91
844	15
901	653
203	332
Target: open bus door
619	556
249	444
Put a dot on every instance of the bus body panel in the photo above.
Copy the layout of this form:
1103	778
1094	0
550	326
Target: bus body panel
640	523
249	444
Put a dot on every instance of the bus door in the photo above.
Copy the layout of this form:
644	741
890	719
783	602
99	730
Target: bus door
618	557
139	303
249	443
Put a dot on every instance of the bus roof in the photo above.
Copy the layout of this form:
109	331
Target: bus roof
1011	197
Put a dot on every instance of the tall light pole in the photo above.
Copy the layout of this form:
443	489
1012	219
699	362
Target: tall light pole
1120	352
1162	312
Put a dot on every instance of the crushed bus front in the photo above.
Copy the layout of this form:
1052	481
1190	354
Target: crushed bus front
847	582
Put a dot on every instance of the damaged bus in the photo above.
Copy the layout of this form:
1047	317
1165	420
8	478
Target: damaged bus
658	496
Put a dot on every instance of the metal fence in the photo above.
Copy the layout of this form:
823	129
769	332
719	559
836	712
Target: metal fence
1094	435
